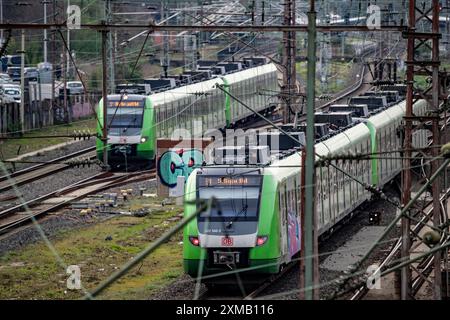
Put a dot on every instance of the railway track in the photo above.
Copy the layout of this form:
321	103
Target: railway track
42	170
255	289
425	266
21	214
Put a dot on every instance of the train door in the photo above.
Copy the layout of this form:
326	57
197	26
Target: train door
283	221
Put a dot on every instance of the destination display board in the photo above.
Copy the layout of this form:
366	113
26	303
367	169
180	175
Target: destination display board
224	181
126	103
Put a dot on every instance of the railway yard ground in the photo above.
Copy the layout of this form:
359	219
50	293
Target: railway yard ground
101	242
241	153
97	242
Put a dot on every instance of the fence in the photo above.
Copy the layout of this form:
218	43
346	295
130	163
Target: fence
40	114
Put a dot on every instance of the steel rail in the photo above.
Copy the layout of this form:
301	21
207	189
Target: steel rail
41	165
113	182
90	181
270	282
362	291
266	283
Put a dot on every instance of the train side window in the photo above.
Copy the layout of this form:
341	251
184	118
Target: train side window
176	108
368	165
359	167
336	192
289	198
283	202
237	105
341	186
217	104
330	195
186	113
169	119
390	149
319	193
298	197
158	120
209	111
381	149
354	190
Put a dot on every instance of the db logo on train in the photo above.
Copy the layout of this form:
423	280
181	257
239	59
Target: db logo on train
227	242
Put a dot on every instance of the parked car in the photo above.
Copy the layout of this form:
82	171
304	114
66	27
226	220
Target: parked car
31	73
5	78
10	93
14	73
74	87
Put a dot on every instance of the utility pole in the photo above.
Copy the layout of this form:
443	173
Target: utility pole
22	83
65	73
309	267
110	46
325	50
288	61
436	187
406	173
447	30
45	31
165	59
52	101
67	65
105	96
420	64
1	20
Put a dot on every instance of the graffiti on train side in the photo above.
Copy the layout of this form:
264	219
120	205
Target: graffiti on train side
178	162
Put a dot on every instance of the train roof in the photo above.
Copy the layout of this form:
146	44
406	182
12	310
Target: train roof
339	143
208	85
385	117
289	163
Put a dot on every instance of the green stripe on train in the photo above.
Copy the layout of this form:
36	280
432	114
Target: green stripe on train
374	148
227	102
99	143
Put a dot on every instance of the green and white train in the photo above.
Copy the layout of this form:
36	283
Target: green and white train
257	223
134	122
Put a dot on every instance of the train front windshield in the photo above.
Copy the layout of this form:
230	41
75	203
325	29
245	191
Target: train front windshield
237	199
126	118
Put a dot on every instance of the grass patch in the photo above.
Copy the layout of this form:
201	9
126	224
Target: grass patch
33	272
12	148
338	72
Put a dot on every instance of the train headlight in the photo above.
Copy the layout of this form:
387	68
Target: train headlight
194	240
260	240
143	139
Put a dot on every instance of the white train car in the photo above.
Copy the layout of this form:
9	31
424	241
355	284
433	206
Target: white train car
181	107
